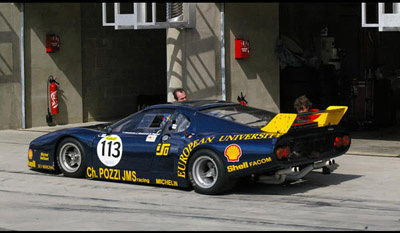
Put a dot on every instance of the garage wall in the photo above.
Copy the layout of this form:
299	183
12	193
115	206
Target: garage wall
257	76
10	68
194	59
104	74
193	56
122	69
62	19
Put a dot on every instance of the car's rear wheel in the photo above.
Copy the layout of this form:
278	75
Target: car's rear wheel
71	158
207	173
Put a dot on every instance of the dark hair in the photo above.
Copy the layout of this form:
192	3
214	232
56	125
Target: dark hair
302	100
175	91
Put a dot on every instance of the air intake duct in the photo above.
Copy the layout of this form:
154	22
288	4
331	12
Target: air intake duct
174	11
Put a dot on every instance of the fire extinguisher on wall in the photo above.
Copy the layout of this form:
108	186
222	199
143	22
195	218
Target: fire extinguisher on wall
52	95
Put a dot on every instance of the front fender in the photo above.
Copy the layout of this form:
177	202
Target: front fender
42	150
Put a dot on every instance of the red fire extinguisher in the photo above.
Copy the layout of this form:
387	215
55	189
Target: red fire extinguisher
53	98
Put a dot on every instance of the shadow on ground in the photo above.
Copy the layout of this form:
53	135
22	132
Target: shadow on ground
312	181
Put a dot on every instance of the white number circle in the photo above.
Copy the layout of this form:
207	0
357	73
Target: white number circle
109	150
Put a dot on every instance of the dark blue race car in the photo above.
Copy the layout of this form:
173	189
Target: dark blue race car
207	145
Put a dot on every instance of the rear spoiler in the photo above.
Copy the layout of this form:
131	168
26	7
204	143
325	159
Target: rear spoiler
282	122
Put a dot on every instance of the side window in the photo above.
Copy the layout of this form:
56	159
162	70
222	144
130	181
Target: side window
179	124
128	124
152	123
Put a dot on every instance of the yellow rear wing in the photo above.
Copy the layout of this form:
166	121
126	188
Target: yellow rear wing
282	122
331	116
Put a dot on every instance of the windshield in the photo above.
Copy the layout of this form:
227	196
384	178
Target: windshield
253	117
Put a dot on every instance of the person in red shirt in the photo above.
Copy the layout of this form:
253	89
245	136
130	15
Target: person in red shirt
302	105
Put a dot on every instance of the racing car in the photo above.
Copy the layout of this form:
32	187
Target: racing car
205	145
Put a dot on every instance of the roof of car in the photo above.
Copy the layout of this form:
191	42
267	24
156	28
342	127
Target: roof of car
200	104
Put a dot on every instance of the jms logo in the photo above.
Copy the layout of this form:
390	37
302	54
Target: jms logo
162	149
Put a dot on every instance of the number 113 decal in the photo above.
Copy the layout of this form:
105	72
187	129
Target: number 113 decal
109	150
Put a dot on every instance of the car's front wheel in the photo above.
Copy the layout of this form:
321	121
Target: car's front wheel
71	158
207	173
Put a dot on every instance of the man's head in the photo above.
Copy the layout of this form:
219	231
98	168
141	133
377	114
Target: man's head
179	94
302	104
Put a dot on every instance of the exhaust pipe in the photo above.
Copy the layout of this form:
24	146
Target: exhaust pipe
327	166
301	174
324	163
294	173
279	177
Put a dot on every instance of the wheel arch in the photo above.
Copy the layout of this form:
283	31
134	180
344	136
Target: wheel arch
223	182
203	147
57	145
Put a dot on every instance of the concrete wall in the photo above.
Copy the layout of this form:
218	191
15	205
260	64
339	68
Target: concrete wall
102	71
10	69
119	67
104	74
62	19
257	76
194	59
193	56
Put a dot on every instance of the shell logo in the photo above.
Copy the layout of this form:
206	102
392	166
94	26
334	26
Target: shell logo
30	154
233	152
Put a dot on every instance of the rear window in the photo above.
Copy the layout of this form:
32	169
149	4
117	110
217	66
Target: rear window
253	117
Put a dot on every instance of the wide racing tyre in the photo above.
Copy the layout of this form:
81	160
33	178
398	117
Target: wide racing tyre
71	158
207	173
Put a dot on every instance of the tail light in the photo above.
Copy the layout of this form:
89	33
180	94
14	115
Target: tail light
346	140
282	152
342	141
338	142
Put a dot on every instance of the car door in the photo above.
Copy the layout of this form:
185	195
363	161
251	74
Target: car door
132	145
178	133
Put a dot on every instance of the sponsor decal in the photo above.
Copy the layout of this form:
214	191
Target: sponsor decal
44	166
115	174
162	149
174	149
109	150
167	182
32	163
151	137
44	156
30	154
139	133
240	137
260	161
233	152
186	152
241	166
244	165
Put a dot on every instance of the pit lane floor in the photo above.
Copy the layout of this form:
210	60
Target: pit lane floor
362	194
